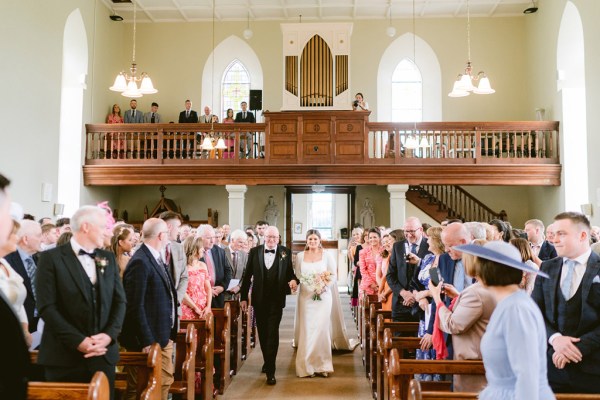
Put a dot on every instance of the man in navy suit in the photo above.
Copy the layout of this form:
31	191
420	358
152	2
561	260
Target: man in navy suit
405	259
22	261
188	116
133	116
81	300
539	246
151	303
570	304
219	267
270	271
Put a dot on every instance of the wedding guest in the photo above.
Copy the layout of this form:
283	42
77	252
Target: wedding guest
49	236
359	103
115	116
528	258
229	118
197	298
383	261
64	238
368	263
121	245
353	250
152	117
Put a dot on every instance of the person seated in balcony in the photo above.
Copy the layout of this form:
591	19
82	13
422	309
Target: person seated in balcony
188	116
115	116
152	117
208	117
359	103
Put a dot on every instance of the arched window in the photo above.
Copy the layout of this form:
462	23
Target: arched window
407	92
235	87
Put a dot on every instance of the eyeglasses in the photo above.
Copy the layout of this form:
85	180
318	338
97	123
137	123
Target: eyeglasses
272	237
412	232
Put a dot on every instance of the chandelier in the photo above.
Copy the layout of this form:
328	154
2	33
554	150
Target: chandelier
463	86
127	83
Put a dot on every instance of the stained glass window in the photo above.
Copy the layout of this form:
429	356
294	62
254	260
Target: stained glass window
235	87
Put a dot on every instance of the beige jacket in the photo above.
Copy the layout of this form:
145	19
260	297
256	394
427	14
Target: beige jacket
467	323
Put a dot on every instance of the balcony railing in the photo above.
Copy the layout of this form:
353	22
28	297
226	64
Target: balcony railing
527	142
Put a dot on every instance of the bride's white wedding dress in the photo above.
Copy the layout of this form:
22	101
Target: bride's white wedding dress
319	325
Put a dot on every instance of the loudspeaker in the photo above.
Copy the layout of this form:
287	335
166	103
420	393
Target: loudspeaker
255	100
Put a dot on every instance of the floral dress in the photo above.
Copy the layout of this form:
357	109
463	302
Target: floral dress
197	291
426	354
368	270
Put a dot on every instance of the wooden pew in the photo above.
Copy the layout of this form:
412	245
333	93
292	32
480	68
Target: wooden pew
204	354
374	312
363	305
394	327
247	332
149	374
401	371
369	300
97	389
416	393
222	347
236	336
185	363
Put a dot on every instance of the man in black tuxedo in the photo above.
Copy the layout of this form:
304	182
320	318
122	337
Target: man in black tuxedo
539	246
151	303
270	272
25	264
404	261
570	304
82	302
188	116
246	116
218	266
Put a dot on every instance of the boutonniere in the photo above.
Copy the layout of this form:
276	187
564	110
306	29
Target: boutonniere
101	263
283	255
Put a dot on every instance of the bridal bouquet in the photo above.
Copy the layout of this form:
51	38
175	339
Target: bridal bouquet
316	283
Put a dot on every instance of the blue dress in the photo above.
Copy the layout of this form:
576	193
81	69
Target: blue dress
514	351
426	354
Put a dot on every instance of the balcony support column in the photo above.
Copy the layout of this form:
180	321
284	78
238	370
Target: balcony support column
237	195
397	205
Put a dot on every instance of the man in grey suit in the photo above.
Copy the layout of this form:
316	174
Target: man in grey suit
133	116
152	117
570	304
237	258
174	256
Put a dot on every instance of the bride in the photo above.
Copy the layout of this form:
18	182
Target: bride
319	324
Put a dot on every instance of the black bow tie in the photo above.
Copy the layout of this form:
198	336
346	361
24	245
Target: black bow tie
82	252
269	251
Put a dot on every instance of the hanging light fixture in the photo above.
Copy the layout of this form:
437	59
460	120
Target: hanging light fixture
248	32
463	86
127	83
390	30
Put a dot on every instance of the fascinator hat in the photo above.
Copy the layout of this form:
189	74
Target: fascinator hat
500	252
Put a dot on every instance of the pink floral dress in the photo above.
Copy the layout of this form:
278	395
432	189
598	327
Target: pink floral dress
368	270
197	291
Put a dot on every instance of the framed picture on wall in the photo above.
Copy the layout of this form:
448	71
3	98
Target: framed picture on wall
297	227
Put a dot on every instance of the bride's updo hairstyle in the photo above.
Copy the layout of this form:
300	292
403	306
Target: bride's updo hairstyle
313	232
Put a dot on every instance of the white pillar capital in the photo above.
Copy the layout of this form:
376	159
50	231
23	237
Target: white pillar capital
397	205
237	195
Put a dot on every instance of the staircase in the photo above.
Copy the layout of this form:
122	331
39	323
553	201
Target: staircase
442	202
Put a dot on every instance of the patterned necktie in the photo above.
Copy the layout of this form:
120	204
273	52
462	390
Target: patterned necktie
30	267
211	268
413	248
568	281
168	255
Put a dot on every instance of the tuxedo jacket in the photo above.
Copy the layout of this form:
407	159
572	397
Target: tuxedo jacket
237	269
547	251
150	298
545	295
239	117
254	274
65	304
148	118
192	119
14	259
15	371
129	119
397	274
222	274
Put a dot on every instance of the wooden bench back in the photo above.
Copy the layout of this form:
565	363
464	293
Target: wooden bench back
204	353
236	335
222	347
149	377
97	389
185	363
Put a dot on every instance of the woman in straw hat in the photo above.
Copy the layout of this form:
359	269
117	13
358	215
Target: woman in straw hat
514	345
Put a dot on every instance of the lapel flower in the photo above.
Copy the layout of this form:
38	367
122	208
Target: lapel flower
283	255
101	263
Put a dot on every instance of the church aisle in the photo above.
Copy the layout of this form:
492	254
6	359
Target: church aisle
348	381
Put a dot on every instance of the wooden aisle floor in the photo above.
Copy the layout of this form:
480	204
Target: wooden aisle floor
347	382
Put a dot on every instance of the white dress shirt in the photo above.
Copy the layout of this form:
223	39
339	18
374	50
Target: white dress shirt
88	263
270	257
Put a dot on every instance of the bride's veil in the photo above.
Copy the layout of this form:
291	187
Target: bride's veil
339	334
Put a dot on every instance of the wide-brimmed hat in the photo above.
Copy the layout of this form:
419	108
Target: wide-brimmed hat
502	253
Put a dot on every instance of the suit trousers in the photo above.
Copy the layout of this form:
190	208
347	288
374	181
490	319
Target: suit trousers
571	379
267	324
83	373
167	369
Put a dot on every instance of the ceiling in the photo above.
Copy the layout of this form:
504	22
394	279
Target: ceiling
310	10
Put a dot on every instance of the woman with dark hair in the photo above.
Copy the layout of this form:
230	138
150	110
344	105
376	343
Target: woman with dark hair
319	325
359	103
500	230
368	263
515	342
362	243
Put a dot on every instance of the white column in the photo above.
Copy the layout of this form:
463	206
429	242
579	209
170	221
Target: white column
237	195
397	205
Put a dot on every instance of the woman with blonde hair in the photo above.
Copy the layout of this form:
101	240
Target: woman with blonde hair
198	296
121	245
383	261
528	258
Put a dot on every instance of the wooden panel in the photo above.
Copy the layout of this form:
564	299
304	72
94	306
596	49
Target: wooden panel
319	127
316	151
283	150
284	127
353	149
